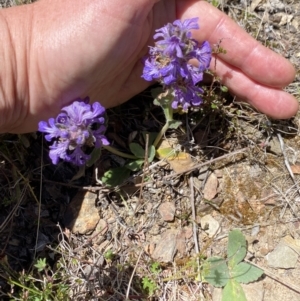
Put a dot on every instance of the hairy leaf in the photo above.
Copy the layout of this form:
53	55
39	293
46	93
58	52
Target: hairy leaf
215	271
151	153
135	165
137	150
115	176
151	137
245	272
233	291
237	247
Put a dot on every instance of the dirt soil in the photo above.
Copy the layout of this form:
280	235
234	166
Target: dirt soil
234	174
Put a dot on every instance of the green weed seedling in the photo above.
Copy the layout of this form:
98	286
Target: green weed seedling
149	284
231	272
41	284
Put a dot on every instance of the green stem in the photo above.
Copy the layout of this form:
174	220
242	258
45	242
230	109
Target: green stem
168	111
118	153
160	134
26	288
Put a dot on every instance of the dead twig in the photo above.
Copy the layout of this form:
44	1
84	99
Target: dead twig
192	199
132	275
286	162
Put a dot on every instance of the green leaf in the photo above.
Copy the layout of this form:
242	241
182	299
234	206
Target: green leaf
135	165
174	124
109	255
215	271
137	150
245	272
149	285
233	291
151	153
166	153
95	155
155	268
41	264
151	135
237	247
115	176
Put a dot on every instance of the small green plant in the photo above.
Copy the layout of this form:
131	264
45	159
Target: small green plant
231	272
41	264
109	255
41	284
155	268
149	285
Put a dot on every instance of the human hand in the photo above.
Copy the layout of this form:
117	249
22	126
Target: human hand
62	50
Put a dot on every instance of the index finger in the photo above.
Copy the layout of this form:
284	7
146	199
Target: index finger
243	52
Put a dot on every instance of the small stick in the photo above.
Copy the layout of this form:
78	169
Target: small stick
192	199
286	162
132	275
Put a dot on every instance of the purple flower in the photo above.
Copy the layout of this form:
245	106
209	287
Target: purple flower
169	61
77	128
186	95
203	55
187	25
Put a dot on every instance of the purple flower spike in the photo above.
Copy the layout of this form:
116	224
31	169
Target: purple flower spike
78	127
169	60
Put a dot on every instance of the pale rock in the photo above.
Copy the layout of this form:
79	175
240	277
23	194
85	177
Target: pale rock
282	257
167	211
209	225
166	247
82	215
211	186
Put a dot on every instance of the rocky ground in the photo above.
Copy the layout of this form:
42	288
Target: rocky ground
239	169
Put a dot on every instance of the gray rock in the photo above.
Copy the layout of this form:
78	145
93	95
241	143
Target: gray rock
282	257
166	247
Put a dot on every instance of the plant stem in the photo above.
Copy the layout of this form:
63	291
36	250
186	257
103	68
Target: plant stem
119	153
26	288
160	134
168	111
